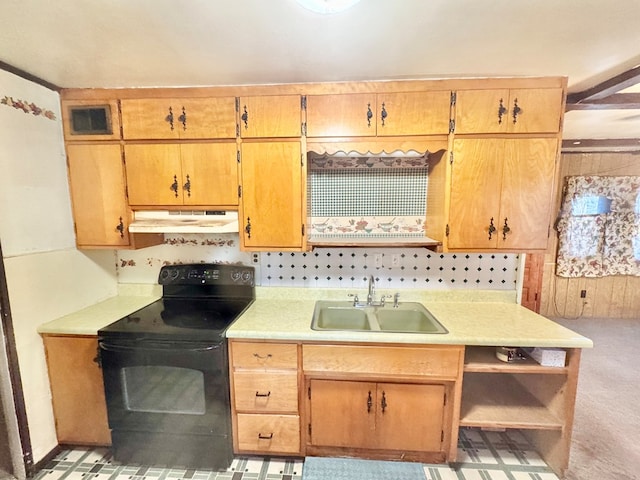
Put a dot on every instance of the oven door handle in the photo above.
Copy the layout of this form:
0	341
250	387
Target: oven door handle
158	346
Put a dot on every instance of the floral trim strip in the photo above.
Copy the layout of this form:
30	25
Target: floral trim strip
27	107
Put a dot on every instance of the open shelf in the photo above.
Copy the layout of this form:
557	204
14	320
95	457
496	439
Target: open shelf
483	360
500	401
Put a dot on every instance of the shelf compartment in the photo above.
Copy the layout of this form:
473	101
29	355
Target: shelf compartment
483	360
500	401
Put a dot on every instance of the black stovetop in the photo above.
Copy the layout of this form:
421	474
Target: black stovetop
183	319
199	302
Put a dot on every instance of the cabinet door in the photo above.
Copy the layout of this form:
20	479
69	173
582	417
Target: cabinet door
213	117
527	191
209	174
476	181
154	174
492	111
270	116
150	119
410	417
341	115
77	390
343	413
271	202
172	118
540	110
419	113
96	181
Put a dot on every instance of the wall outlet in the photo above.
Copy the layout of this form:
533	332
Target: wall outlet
395	260
255	258
583	294
377	260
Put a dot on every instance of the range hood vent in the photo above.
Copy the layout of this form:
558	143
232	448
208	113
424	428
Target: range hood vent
191	221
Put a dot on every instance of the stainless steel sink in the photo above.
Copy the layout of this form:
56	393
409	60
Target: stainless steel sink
407	317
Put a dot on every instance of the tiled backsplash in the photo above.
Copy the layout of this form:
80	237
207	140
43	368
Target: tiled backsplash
328	267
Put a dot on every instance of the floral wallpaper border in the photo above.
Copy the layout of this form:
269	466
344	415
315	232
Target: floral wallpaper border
27	107
356	160
363	226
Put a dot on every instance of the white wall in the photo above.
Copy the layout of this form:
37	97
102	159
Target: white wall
46	276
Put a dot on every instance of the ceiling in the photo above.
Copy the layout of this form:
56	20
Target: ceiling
147	43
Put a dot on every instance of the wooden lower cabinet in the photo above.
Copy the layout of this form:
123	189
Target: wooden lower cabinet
264	398
382	401
388	416
268	433
77	390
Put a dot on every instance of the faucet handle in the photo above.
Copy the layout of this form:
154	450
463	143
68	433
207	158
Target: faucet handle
395	299
355	298
382	299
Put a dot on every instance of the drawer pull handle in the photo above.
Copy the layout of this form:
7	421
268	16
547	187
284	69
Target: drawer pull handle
369	402
268	394
262	357
265	437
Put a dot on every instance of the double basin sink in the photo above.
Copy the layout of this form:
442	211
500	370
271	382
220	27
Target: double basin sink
405	317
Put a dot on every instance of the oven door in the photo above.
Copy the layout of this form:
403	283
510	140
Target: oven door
166	386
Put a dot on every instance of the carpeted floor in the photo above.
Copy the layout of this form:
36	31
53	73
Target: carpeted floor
607	417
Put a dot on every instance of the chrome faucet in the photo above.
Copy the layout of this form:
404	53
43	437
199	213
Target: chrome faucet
371	296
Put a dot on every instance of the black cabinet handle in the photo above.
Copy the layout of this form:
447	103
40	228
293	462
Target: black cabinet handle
169	118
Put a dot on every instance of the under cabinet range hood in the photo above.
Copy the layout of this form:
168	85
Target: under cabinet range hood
181	221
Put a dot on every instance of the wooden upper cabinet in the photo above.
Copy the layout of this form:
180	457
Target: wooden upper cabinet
98	195
270	116
204	174
179	118
509	111
271	202
351	115
416	113
501	193
369	114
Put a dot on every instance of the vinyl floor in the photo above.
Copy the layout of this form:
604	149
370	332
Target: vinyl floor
481	456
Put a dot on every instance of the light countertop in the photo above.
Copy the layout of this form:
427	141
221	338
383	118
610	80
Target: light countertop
91	319
471	317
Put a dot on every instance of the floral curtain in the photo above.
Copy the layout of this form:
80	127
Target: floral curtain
599	227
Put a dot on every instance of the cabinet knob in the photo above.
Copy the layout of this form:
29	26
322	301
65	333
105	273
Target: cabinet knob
187	186
492	228
120	228
183	119
501	111
169	118
174	186
369	114
516	111
505	229
383	114
369	402
245	118
247	228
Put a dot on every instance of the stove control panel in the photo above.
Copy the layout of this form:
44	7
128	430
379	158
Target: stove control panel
206	274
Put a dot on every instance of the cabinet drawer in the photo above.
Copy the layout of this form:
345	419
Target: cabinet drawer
264	355
266	392
439	361
269	433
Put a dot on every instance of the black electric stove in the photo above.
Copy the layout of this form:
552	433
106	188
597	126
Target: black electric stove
199	302
166	370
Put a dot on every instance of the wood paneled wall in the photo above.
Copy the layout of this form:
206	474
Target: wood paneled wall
607	297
